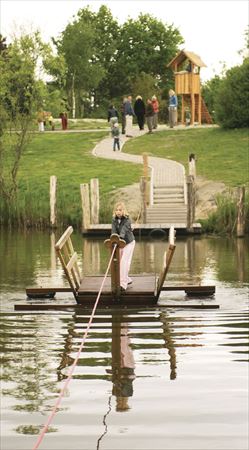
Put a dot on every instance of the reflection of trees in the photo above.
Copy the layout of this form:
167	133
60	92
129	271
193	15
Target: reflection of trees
27	366
231	258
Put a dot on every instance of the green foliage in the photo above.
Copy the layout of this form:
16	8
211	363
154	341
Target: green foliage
209	93
224	219
20	97
232	100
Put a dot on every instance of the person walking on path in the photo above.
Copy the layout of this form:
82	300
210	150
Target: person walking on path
121	225
155	105
149	113
63	117
139	109
129	113
115	135
112	115
173	103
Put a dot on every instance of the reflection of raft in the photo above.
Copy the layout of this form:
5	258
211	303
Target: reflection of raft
145	289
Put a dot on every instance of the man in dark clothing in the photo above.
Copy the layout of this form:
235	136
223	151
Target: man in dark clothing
139	108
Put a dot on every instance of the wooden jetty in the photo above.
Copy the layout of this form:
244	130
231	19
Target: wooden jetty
145	289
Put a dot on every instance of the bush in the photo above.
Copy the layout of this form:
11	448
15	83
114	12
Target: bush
232	100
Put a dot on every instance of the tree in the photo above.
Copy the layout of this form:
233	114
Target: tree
232	100
144	45
209	93
19	99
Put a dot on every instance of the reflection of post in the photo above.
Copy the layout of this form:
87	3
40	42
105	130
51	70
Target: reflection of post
240	259
170	345
52	251
122	363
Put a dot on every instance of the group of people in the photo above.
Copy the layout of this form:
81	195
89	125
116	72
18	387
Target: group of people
144	112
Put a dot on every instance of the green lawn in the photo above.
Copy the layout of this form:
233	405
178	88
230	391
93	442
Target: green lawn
69	157
222	155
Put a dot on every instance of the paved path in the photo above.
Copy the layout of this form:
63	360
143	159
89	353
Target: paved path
165	171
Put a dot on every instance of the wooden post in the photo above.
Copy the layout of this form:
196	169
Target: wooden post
143	194
85	203
240	230
146	176
190	203
53	182
199	108
183	111
115	264
192	165
94	194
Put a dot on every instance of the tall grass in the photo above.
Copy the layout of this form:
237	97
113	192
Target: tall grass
224	219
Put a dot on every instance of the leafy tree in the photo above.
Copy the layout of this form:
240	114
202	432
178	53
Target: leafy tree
232	100
19	99
209	92
144	45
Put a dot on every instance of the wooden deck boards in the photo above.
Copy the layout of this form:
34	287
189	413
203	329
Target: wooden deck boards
141	228
141	291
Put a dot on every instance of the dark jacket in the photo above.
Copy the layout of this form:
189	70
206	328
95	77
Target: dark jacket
112	112
139	107
149	110
123	229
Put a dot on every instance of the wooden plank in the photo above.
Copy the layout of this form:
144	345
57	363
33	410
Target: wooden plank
63	238
56	306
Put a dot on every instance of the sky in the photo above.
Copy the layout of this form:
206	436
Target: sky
214	29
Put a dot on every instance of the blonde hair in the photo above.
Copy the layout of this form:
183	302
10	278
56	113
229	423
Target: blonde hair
138	97
123	207
171	92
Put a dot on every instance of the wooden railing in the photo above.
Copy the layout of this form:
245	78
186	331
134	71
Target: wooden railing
168	255
68	258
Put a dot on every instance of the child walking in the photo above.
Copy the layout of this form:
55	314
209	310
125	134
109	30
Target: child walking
121	225
115	135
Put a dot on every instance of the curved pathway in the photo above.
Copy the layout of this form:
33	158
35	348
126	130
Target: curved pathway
168	202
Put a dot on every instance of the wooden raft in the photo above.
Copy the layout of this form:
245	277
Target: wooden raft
144	290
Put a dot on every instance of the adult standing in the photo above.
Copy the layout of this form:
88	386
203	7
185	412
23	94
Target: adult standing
112	115
129	113
63	117
122	110
149	113
173	103
139	109
155	105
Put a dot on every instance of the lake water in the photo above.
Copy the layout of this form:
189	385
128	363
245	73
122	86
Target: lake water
153	378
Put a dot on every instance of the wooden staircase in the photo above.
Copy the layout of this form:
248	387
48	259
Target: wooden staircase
205	116
169	205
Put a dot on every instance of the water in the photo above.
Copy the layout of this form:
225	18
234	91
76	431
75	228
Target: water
156	378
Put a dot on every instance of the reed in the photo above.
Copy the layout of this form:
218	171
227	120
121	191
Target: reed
223	220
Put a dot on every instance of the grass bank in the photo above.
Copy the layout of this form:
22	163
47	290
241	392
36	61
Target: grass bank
69	157
222	155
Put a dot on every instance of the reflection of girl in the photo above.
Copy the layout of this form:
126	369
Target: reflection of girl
121	225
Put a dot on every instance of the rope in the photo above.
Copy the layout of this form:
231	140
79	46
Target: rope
62	391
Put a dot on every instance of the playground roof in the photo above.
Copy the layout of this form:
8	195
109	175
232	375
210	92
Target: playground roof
183	55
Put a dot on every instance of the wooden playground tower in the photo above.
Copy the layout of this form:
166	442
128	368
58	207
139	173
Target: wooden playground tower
186	66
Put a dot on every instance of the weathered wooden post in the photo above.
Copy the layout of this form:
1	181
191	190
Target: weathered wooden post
85	203
53	183
240	229
192	165
94	195
115	264
190	202
146	176
143	194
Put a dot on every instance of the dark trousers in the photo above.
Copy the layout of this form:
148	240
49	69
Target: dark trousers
116	143
123	123
140	121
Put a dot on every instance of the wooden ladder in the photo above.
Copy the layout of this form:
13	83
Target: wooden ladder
68	258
